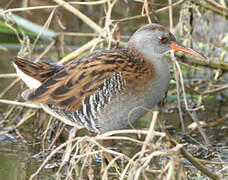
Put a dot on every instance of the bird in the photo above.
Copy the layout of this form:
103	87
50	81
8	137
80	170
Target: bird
108	89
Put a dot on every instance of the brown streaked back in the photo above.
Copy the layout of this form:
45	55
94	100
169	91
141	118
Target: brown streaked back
40	71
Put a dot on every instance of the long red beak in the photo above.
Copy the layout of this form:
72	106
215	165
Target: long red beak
178	47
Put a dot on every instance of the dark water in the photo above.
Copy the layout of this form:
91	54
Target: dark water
6	58
16	162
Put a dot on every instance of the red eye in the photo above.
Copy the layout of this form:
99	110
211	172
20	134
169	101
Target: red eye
163	39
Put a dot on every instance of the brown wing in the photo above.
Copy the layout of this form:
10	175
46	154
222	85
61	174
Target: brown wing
79	80
40	71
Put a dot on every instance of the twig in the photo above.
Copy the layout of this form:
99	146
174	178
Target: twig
146	9
170	16
108	21
176	72
197	164
121	138
78	34
189	157
221	88
150	134
216	5
35	28
129	131
5	101
44	28
44	134
45	51
194	117
109	166
154	12
57	135
189	110
47	159
210	64
211	8
8	75
178	95
30	114
179	79
9	87
52	6
82	16
80	50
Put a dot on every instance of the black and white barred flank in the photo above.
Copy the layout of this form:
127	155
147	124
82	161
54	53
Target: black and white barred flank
86	116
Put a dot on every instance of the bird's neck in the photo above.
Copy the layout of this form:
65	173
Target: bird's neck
135	55
152	71
156	62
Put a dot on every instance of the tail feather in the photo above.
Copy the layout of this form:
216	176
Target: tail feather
34	74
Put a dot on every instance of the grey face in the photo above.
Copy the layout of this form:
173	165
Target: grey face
152	40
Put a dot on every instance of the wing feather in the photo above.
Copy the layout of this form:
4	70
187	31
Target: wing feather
77	81
71	86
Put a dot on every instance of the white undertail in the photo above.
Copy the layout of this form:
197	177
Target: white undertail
29	81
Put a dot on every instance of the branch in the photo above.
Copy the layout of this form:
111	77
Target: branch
215	9
82	16
211	63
